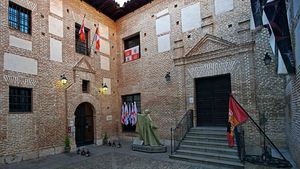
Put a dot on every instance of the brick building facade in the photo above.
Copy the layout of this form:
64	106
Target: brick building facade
217	43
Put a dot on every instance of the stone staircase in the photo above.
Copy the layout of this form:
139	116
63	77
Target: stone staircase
208	145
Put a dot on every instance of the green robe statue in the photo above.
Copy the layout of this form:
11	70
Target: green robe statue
146	129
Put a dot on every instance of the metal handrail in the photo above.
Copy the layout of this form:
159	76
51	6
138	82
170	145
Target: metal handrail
180	130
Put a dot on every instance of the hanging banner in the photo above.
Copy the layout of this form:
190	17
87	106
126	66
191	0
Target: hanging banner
132	54
276	14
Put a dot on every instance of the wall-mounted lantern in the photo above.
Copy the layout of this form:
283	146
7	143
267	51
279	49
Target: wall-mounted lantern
103	89
63	79
267	59
168	77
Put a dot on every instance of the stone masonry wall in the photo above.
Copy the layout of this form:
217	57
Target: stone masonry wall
169	100
43	131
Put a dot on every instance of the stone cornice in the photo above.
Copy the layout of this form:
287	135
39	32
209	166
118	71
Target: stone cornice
225	52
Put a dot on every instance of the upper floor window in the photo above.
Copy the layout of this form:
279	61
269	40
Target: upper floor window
82	47
20	99
132	48
19	18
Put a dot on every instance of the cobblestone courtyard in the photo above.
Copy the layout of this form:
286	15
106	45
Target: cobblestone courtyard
105	157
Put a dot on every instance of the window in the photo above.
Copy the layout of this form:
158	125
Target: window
132	48
20	99
128	99
85	86
19	18
82	47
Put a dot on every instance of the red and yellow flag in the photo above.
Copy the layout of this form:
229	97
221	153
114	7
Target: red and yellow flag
237	115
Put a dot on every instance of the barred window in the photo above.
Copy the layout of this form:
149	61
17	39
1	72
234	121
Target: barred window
82	47
20	99
128	99
19	18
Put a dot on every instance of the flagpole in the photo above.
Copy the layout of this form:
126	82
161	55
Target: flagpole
259	128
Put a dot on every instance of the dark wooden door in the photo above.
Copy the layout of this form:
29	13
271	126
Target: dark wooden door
84	124
212	99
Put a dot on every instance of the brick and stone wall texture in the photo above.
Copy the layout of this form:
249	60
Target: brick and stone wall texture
293	90
257	87
43	131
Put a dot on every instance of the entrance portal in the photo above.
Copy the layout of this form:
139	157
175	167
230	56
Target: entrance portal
84	124
212	99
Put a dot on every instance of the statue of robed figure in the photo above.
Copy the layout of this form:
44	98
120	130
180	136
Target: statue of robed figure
146	128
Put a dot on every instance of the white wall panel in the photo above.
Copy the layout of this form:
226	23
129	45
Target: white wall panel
191	17
55	50
164	43
20	43
104	31
163	25
56	7
56	27
104	47
20	64
223	6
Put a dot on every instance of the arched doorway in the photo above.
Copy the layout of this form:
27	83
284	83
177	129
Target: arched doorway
84	124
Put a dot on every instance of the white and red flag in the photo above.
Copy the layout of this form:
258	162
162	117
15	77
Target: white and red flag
126	120
134	114
97	39
123	114
132	54
81	31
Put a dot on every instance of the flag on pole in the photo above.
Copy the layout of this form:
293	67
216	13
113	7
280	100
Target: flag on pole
129	113
135	114
126	115
81	31
237	115
97	38
123	114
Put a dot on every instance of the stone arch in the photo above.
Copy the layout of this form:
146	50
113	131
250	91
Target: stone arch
73	103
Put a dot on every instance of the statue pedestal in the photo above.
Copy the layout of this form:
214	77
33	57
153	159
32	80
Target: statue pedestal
149	149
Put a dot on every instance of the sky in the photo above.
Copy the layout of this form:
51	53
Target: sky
121	2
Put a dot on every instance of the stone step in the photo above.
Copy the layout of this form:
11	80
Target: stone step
213	129
206	143
208	134
217	156
220	163
227	150
209	138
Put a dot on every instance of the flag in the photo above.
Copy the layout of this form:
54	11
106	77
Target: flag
257	12
135	114
129	113
132	54
276	13
97	38
126	115
123	114
81	31
236	116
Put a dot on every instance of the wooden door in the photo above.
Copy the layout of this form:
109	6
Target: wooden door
212	99
84	125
